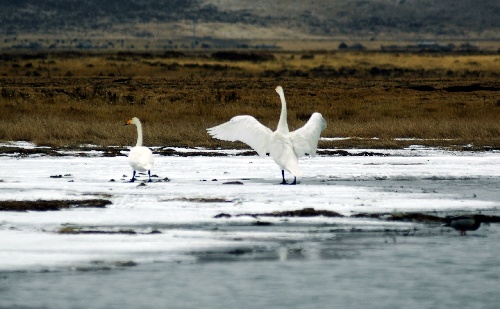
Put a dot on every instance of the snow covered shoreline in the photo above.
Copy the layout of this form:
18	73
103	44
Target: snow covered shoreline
183	209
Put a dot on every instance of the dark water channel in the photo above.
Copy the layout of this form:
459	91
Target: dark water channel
433	268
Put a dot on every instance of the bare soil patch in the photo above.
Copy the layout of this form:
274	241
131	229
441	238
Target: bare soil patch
200	200
311	212
305	212
82	230
52	205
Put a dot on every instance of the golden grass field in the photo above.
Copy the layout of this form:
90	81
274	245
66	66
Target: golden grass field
377	99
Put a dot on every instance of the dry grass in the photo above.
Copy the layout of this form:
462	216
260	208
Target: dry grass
376	95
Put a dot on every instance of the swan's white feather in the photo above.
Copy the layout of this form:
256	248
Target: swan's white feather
283	146
245	129
140	158
305	140
282	151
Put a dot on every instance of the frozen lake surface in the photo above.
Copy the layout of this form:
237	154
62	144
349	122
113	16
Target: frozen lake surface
180	255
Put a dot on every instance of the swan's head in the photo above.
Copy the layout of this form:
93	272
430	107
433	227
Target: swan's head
134	120
279	90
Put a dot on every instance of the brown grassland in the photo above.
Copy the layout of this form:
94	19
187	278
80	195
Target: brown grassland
376	99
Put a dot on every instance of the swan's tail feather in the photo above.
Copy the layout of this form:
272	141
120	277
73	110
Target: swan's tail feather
297	172
283	154
293	168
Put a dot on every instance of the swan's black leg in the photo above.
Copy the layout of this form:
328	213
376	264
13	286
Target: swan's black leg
149	174
294	181
283	175
133	177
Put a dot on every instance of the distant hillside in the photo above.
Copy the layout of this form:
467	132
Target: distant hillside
253	19
102	15
453	18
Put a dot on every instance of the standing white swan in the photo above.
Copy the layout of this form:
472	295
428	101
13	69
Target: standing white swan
140	158
283	146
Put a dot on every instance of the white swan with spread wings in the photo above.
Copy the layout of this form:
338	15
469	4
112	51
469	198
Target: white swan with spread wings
283	146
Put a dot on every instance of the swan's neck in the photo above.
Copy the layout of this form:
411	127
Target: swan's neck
139	135
282	123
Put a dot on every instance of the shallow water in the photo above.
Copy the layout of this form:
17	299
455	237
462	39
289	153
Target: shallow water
379	270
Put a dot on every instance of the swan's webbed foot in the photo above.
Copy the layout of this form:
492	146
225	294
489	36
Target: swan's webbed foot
284	181
149	174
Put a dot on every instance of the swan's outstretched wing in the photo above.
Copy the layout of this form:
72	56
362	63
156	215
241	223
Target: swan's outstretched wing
245	129
305	140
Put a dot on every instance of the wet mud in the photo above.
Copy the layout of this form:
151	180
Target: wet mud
82	230
403	217
51	205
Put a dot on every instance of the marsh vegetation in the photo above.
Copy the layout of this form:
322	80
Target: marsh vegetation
373	99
